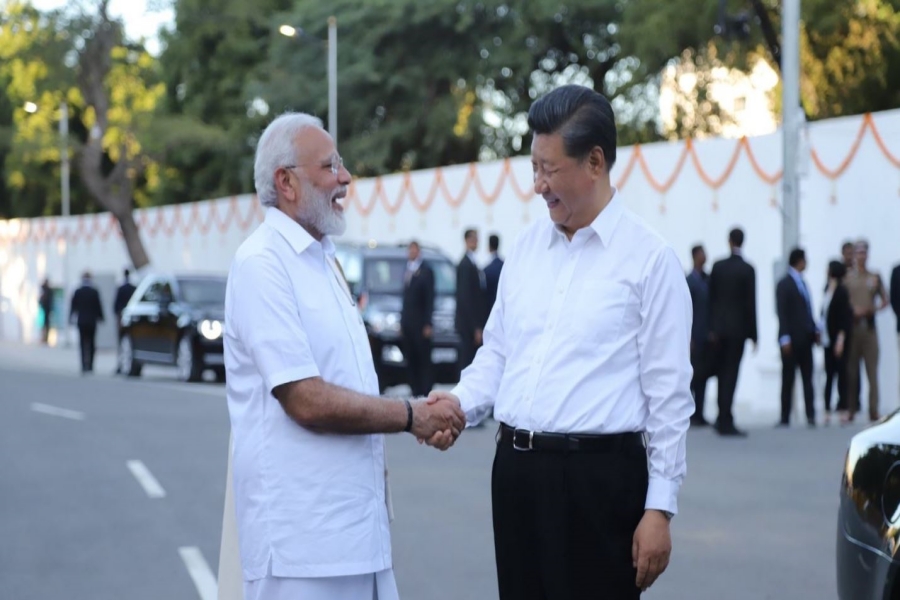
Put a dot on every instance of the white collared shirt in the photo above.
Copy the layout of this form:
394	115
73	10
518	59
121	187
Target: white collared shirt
310	504
591	335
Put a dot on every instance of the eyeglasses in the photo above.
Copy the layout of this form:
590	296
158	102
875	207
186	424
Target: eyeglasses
335	165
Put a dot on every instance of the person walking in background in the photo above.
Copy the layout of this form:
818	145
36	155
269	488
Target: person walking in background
848	255
470	309
797	333
415	321
123	295
492	272
46	303
86	311
865	288
732	302
836	325
698	285
895	299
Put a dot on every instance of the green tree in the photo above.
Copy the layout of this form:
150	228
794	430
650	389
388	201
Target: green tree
850	52
208	56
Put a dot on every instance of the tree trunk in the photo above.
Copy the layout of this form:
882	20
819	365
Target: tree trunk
133	242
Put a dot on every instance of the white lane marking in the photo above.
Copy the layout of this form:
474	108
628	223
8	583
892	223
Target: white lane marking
199	571
146	479
57	412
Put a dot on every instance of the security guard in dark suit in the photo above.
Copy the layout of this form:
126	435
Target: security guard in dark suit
415	321
86	311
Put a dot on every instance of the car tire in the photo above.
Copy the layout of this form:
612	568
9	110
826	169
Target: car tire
190	368
127	365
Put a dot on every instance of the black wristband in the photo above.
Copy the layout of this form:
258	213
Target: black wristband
409	416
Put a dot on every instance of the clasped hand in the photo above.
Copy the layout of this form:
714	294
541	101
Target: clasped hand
438	420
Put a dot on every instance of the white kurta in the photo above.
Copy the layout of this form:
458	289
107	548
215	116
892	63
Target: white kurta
307	505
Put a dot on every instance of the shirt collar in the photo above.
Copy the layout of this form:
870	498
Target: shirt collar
795	273
292	232
413	265
604	225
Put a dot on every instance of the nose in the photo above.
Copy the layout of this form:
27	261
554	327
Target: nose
540	185
343	176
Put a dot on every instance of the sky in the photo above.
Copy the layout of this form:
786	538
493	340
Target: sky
139	21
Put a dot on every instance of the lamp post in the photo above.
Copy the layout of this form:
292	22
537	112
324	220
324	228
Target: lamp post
31	108
792	121
294	32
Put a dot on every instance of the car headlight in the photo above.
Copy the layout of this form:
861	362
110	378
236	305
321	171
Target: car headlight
210	329
386	322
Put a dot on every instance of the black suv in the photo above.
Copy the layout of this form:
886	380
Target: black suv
175	320
375	274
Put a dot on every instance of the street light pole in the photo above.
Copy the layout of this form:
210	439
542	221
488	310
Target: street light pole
64	186
792	121
332	78
293	32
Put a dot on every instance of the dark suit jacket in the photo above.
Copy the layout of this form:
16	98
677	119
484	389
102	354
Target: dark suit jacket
86	305
732	299
698	284
895	294
492	277
123	295
470	301
795	318
418	301
840	315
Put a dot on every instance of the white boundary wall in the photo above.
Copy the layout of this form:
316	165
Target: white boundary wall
692	192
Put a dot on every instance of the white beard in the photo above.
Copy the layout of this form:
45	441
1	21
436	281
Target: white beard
317	212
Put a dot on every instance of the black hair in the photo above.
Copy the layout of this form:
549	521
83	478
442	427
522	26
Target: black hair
469	233
736	237
796	255
837	269
584	118
494	242
695	250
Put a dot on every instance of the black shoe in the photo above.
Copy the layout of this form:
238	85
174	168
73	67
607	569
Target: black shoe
782	425
699	422
811	423
731	431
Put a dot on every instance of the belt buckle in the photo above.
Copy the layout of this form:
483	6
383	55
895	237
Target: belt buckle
530	446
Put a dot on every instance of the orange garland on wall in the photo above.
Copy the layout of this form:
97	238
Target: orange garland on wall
89	227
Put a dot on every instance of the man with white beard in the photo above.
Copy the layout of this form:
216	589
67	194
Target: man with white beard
309	478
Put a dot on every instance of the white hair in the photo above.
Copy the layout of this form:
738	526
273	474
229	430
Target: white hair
277	148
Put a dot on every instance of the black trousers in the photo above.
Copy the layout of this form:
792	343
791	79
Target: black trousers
835	370
88	337
420	371
564	523
700	363
729	352
800	357
467	349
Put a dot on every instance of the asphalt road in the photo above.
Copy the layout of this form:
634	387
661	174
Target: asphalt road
757	516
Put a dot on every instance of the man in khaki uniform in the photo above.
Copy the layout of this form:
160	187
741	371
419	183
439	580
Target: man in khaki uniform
865	287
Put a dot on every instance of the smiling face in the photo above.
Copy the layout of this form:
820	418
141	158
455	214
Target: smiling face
310	191
575	190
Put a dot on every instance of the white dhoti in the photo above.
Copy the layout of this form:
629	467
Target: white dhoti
373	586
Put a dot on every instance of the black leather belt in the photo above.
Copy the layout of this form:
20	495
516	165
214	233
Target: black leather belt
537	441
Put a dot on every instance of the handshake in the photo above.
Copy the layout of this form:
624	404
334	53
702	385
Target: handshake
438	420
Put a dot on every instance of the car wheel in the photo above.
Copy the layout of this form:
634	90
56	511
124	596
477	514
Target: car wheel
189	367
127	365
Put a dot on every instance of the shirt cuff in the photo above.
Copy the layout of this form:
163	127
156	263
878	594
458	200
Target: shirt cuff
289	375
784	340
466	404
662	494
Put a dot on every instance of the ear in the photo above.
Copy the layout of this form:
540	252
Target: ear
283	184
597	162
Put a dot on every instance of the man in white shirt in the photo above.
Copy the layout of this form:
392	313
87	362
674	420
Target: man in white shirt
309	475
586	354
